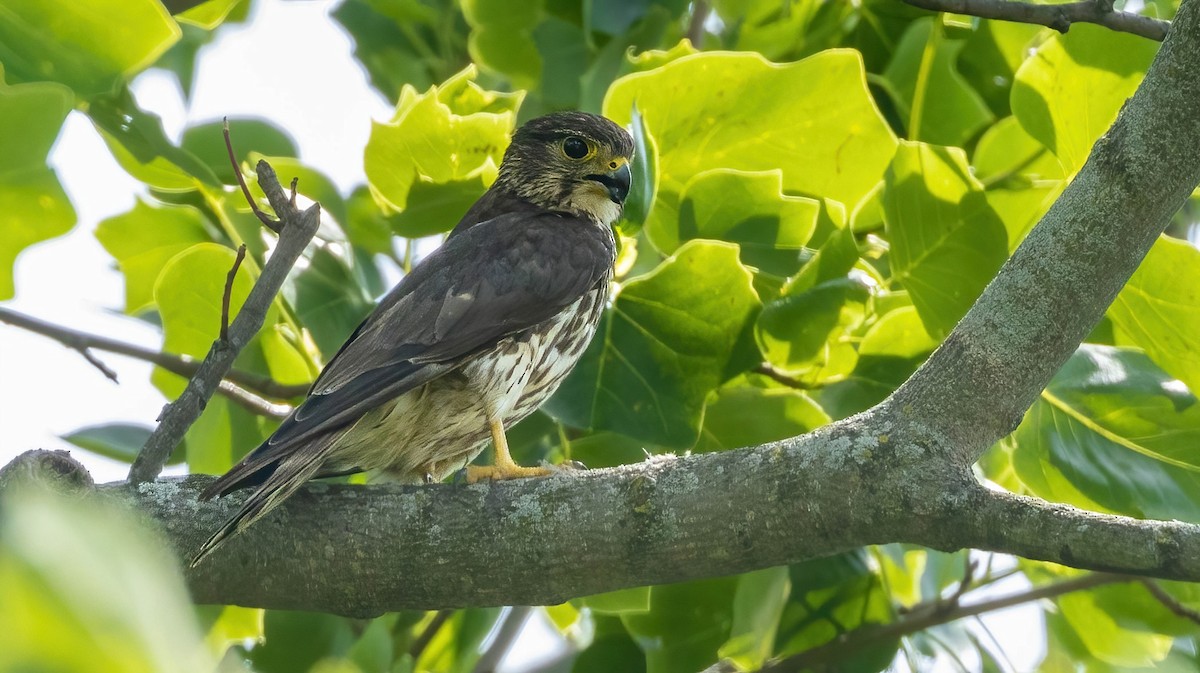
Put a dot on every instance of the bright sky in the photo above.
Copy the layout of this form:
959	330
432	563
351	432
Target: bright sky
292	65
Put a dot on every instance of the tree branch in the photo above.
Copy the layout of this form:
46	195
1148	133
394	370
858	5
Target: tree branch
182	365
1059	17
297	229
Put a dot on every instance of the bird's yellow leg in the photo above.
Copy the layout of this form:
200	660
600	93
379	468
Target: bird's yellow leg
503	467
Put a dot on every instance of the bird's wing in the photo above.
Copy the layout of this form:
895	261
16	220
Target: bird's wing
491	281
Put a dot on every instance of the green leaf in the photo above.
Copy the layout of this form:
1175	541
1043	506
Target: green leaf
1112	432
366	226
829	597
207	143
33	205
295	641
664	346
119	441
686	625
143	240
1022	177
208	15
89	589
779	413
619	602
141	146
1159	309
434	208
1069	92
714	110
89	46
749	209
757	606
507	52
328	300
947	243
456	647
991	56
1104	637
644	169
953	112
807	331
453	132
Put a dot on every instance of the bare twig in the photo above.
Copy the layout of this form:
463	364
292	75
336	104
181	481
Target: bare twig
267	220
1058	17
1170	602
182	365
225	298
507	634
932	613
771	371
695	32
251	402
298	229
98	364
431	629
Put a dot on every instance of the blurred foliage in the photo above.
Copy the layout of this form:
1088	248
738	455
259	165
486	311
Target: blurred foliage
822	189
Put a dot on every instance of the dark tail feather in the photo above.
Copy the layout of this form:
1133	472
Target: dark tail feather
283	479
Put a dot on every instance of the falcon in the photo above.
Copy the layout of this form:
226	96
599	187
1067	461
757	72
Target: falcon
473	340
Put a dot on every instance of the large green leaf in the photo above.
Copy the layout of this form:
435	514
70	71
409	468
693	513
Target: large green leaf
741	207
88	589
119	441
328	301
501	38
924	64
829	597
664	346
143	240
1069	92
454	132
89	46
757	606
1022	177
1159	309
947	243
686	625
33	205
1112	432
723	110
806	332
779	413
991	57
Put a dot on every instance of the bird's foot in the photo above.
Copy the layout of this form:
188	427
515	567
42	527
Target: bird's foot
477	473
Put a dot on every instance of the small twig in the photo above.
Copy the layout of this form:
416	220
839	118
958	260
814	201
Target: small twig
298	229
251	402
695	31
1170	602
431	629
1058	17
96	362
928	614
769	370
267	220
292	192
225	298
507	634
182	365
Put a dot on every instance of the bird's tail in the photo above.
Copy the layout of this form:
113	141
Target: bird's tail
288	476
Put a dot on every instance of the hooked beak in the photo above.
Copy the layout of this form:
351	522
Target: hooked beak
616	182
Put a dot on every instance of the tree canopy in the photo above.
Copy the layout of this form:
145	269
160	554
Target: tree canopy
785	475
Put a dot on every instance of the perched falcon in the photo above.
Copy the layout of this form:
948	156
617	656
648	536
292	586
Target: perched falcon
474	339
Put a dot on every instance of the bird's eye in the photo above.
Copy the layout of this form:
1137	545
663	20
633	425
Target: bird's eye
575	147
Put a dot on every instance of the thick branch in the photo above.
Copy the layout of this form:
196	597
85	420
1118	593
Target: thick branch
1059	17
297	230
1059	282
182	365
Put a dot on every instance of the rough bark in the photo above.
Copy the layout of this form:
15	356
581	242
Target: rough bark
899	472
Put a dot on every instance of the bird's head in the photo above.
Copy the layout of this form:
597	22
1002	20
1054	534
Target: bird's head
573	161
